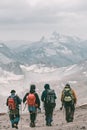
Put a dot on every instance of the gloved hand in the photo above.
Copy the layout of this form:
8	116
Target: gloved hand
39	110
61	108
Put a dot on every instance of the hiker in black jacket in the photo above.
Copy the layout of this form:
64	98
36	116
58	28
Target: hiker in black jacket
33	102
49	106
13	102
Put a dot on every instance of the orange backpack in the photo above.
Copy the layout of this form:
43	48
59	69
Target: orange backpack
11	103
31	99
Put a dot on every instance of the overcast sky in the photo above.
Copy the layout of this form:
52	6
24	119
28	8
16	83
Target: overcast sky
31	19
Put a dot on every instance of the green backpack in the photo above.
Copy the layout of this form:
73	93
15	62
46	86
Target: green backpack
67	95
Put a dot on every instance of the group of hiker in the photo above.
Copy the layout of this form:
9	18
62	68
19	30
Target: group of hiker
48	97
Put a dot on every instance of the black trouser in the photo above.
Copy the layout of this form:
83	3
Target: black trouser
69	111
14	116
32	116
49	115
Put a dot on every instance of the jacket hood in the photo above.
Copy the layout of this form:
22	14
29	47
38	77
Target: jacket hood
32	88
47	86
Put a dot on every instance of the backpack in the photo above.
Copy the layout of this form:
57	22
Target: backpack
50	98
31	99
67	95
11	103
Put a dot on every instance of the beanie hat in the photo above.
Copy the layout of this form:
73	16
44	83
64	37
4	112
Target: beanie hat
47	86
13	91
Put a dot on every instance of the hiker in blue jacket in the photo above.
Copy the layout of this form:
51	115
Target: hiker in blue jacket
13	102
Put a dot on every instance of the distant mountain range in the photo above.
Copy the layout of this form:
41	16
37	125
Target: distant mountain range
56	51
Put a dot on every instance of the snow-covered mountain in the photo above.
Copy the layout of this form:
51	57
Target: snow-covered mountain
58	50
8	60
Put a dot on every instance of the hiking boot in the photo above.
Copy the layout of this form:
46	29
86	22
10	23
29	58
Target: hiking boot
16	126
32	124
12	125
48	124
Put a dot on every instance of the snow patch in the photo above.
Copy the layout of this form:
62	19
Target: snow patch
38	68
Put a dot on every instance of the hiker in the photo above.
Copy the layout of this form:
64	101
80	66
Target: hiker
48	98
33	102
13	102
68	99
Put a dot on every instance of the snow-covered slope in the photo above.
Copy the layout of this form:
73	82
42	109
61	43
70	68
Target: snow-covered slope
76	75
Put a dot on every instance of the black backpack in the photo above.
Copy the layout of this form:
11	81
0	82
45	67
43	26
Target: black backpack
50	98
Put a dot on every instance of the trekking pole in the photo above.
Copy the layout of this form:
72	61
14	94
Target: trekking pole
62	108
63	114
21	115
44	116
24	106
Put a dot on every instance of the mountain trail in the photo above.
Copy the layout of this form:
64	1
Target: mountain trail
59	123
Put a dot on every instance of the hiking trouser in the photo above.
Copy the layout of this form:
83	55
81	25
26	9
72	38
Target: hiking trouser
33	112
69	111
49	115
14	116
32	117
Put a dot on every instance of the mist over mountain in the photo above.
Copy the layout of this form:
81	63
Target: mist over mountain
56	51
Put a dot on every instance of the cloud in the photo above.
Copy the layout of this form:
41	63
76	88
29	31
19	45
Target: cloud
20	14
38	10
